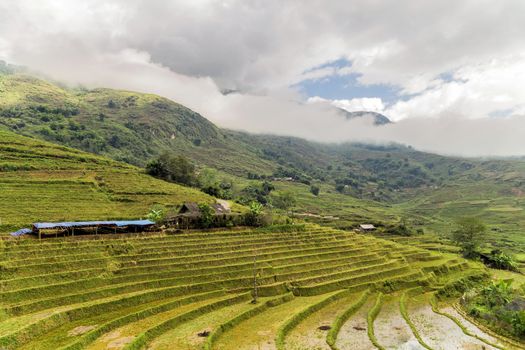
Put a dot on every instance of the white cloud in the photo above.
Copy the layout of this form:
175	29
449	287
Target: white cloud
190	50
369	104
476	91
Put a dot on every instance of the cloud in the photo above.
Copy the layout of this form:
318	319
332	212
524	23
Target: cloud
457	65
475	91
369	104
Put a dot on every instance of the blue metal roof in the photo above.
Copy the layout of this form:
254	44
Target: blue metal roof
52	225
21	232
134	223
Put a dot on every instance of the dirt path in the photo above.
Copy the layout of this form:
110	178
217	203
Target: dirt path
353	334
391	330
439	332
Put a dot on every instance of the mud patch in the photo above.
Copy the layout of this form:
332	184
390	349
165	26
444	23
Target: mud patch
110	336
80	330
119	343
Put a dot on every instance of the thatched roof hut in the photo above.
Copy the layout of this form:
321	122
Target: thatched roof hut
190	209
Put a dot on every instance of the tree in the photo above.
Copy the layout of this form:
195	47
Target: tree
469	235
284	201
206	218
172	168
112	104
210	183
314	190
257	193
253	217
157	214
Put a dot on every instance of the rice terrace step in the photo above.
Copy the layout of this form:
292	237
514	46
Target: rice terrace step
154	290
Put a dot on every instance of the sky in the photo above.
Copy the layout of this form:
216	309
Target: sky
450	74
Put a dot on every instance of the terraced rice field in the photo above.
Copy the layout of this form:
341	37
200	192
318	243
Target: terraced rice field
40	181
318	288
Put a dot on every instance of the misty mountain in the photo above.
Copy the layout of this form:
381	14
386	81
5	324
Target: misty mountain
136	127
379	119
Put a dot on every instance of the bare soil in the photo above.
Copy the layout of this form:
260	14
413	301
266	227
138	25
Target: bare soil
80	330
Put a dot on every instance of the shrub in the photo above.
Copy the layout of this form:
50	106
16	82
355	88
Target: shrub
499	260
207	215
518	323
157	213
469	235
400	229
172	168
253	217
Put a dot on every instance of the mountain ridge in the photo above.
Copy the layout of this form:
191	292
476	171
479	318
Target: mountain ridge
378	118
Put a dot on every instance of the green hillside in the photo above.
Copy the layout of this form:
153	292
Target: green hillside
40	181
125	126
162	291
75	154
357	183
134	128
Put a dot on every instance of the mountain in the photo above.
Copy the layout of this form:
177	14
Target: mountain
134	128
358	182
379	119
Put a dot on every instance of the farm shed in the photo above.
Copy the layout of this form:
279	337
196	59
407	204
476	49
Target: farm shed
366	227
190	208
21	232
69	227
190	215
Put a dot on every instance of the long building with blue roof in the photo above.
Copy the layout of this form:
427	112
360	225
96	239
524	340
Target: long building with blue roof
70	226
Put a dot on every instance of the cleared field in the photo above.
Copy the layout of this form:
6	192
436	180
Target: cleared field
160	290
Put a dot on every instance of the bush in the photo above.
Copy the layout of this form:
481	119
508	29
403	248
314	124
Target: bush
499	260
172	168
518	323
400	229
499	305
253	217
157	214
469	235
207	215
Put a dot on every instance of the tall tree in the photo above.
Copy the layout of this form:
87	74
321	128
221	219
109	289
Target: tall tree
468	235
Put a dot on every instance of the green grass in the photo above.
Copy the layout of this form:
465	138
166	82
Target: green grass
40	181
